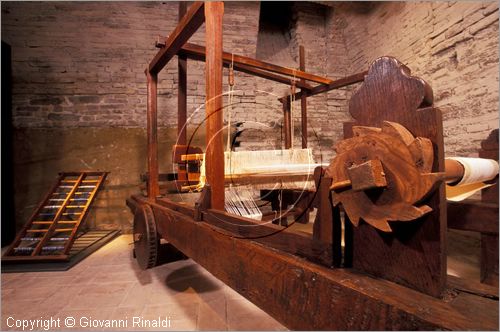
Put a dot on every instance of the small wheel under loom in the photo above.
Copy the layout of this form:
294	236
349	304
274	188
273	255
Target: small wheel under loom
146	238
148	248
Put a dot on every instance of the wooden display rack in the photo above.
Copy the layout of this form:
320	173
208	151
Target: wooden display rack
383	280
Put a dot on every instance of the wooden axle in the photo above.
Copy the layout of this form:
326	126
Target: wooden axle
454	171
370	175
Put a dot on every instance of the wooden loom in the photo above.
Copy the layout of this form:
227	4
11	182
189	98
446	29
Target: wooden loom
379	280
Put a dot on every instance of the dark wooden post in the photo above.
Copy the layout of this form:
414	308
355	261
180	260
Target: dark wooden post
287	123
152	132
215	151
303	98
182	89
414	254
489	241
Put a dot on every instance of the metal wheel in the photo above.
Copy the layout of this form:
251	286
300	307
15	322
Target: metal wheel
146	238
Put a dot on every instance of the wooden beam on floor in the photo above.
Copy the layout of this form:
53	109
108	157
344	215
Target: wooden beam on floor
305	296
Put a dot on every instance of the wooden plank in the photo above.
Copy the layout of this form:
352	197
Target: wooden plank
470	215
271	235
414	254
268	75
182	89
196	52
283	239
214	155
272	178
472	287
26	259
336	84
489	242
183	31
303	98
489	259
152	132
305	296
327	227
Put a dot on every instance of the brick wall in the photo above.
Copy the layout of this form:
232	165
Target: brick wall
452	45
82	63
78	82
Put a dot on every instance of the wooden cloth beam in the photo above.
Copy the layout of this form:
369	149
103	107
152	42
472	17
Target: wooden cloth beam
188	25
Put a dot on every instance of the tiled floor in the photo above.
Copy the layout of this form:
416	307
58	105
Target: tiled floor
108	285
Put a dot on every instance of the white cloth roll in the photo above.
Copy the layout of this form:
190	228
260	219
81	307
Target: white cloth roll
477	169
476	172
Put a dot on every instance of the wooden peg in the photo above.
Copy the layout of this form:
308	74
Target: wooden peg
231	76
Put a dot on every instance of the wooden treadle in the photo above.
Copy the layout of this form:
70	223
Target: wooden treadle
50	232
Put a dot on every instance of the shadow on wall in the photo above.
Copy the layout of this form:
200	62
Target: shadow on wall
273	40
40	154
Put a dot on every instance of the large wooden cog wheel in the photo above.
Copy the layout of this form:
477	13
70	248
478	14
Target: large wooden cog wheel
383	174
146	238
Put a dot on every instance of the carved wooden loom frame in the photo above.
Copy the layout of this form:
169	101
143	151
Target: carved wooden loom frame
288	283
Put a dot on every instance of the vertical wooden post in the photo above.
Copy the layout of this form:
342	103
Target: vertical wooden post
303	98
213	76
152	132
182	89
489	242
327	226
287	114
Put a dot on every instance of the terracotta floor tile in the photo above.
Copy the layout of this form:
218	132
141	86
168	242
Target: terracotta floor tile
61	298
110	285
32	293
243	315
212	315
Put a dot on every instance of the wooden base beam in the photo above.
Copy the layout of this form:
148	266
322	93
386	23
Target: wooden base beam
305	296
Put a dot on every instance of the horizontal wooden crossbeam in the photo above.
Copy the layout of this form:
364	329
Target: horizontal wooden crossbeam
337	84
187	26
474	216
253	66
